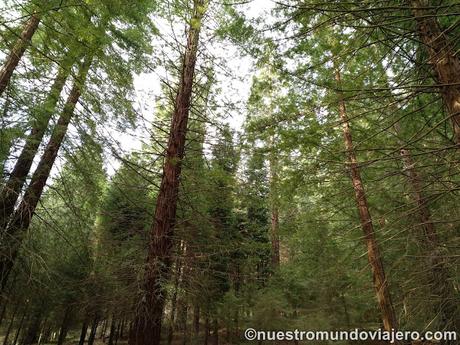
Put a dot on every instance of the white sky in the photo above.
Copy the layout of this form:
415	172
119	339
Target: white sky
235	88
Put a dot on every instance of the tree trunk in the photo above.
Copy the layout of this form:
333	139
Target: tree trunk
33	329
23	215
18	331
147	325
196	320
84	330
117	331
122	328
206	330
64	326
43	330
443	58
2	314
440	284
18	51
12	189
103	330
46	334
113	326
215	335
380	283
92	333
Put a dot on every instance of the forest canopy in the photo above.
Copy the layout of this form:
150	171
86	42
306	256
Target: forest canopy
186	171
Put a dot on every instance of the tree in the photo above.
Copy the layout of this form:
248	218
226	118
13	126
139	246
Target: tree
18	50
147	327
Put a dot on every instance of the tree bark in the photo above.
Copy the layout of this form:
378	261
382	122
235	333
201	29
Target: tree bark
2	314
215	335
117	331
18	51
122	329
23	215
12	189
443	58
18	331
42	331
46	334
206	329
440	282
64	326
113	326
103	330
196	320
84	330
147	325
33	329
380	282
92	334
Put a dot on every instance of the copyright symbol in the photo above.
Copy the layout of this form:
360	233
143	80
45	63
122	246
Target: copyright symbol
250	334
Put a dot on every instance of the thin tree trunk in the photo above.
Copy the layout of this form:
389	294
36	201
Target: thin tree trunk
440	279
196	320
64	326
206	329
92	333
46	334
443	58
380	282
104	329
18	51
84	330
117	331
16	337
42	332
147	326
122	329
215	338
23	215
113	326
33	329
12	189
2	315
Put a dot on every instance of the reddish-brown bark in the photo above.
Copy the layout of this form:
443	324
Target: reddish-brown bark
18	51
443	58
380	282
12	188
147	324
22	217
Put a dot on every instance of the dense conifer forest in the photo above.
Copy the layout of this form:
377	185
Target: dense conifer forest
181	171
